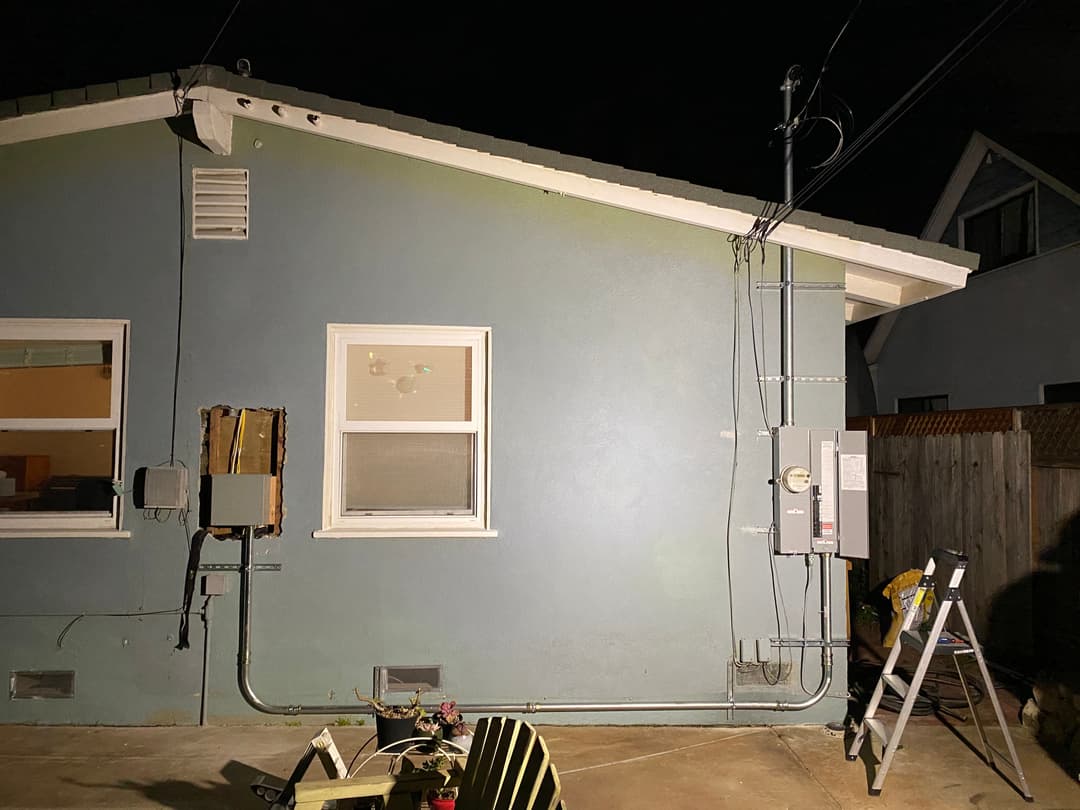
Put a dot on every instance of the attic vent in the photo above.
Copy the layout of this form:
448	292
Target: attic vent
42	685
427	678
219	208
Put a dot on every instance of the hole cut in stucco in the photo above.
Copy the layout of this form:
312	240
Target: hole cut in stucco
243	440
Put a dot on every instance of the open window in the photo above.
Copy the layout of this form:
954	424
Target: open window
61	426
406	432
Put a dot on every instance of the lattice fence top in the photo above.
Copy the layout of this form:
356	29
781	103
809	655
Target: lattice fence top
1055	429
1055	433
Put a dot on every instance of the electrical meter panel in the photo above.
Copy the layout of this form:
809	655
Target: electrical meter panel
820	501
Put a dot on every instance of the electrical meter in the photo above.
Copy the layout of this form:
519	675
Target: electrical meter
820	501
795	479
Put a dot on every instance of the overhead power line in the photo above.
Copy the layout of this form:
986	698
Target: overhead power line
764	226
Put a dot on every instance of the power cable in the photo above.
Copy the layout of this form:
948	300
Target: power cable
825	61
179	297
202	62
984	29
736	375
78	617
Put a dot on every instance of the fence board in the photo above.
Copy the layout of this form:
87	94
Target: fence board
971	492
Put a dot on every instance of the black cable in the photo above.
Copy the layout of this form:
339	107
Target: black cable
180	295
825	61
202	62
932	697
778	601
736	374
806	592
78	617
762	229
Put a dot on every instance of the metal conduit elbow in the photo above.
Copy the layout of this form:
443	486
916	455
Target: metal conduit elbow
257	703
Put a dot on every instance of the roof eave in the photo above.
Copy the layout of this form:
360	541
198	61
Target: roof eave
879	278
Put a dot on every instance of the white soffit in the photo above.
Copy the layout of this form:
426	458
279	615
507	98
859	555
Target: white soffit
881	278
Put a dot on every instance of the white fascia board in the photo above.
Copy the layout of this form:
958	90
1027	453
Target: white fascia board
84	117
213	127
162	105
869	289
692	212
959	180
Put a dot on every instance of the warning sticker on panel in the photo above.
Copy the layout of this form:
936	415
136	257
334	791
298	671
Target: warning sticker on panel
853	472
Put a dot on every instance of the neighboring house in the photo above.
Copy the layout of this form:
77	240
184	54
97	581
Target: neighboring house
1008	338
499	383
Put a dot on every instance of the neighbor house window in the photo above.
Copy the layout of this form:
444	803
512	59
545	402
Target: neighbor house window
1059	393
406	431
1003	233
939	402
61	425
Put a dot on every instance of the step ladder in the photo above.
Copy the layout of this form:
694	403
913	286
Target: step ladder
937	642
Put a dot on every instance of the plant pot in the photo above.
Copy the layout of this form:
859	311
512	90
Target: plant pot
391	730
441	804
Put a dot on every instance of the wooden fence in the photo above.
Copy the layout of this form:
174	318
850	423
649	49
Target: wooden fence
971	492
1002	485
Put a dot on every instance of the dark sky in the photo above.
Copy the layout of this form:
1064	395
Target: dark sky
676	92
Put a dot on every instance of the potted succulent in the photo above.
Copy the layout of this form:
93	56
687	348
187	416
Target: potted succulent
442	798
454	729
394	723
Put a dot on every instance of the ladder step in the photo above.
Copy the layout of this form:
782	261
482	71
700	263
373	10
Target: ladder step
947	643
896	683
878	729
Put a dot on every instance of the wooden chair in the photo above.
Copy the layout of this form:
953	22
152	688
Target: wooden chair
508	768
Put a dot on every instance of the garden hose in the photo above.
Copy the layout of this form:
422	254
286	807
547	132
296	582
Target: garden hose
939	691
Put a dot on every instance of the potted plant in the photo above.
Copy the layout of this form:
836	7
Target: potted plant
442	798
394	723
454	729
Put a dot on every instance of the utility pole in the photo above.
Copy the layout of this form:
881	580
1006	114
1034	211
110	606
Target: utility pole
787	259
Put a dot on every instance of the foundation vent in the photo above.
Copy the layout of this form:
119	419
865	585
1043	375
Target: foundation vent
219	203
427	677
42	684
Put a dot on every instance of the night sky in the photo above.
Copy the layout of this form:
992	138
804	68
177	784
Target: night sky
680	93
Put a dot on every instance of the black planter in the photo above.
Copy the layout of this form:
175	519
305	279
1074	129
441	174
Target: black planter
391	730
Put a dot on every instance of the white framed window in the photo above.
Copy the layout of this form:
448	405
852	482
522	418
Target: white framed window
1003	231
62	419
407	444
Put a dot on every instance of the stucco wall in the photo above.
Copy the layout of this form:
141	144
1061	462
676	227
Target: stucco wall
992	344
611	433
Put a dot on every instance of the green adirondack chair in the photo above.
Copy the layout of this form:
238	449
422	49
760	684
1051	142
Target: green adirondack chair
508	768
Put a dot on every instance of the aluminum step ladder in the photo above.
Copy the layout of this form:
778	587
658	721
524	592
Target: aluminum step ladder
937	642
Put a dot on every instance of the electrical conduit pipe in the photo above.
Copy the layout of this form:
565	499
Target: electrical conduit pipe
244	670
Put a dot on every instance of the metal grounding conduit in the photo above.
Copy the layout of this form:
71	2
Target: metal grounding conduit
244	670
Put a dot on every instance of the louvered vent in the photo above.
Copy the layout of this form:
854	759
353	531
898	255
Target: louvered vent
219	208
42	685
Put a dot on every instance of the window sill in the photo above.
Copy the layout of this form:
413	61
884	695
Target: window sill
60	534
419	534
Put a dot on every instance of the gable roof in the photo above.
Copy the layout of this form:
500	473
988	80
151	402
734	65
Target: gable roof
972	158
883	270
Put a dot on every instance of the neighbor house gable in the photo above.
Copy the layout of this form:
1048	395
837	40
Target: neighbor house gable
986	172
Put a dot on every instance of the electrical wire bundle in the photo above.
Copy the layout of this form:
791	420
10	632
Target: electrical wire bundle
766	223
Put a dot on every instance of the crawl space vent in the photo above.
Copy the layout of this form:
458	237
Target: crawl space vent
42	685
219	207
427	678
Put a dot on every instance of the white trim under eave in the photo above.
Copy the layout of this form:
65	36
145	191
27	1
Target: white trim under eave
580	186
162	105
92	115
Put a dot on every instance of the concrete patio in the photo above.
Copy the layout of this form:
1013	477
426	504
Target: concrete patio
601	766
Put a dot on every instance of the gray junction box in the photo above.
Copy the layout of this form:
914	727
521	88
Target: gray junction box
820	497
